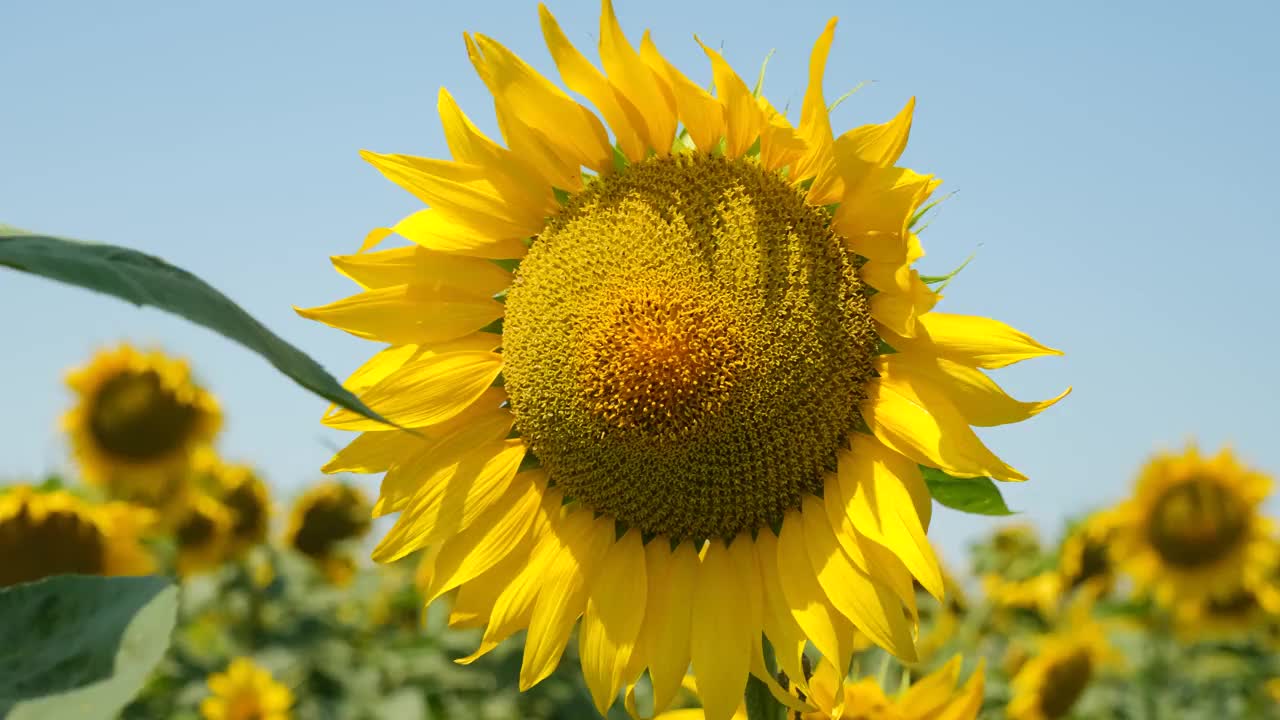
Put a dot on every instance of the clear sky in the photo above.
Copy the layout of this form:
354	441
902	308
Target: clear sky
1113	164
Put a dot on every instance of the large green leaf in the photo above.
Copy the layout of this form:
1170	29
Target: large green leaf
977	496
81	647
146	280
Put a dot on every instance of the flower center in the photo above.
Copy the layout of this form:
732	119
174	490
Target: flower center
56	543
1064	683
135	417
246	502
1239	604
197	530
686	345
1197	523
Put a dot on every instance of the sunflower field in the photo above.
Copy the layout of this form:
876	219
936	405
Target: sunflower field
656	412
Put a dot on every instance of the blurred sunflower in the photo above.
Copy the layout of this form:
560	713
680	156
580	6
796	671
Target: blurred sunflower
1085	557
1040	592
246	692
1056	675
137	420
1246	611
242	492
55	533
932	697
323	519
719	372
202	536
1192	528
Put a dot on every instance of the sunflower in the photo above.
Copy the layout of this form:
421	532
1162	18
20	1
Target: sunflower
932	697
324	518
1192	528
1247	610
138	419
719	372
55	533
242	492
246	692
1040	592
1085	557
1058	672
203	536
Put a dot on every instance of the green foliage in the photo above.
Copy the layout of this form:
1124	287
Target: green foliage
977	496
77	646
146	280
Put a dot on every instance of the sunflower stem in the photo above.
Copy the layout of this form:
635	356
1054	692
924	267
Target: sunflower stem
761	705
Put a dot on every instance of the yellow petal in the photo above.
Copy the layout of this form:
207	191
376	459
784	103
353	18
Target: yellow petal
969	703
611	624
780	145
490	538
828	630
405	314
539	121
743	118
373	451
779	626
426	391
562	597
746	561
451	497
664	638
899	310
929	430
430	273
511	174
463	191
378	367
880	144
579	75
635	81
702	114
874	214
972	340
721	642
819	161
874	484
978	398
931	694
872	607
437	231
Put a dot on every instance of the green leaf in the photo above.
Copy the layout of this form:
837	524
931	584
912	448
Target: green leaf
976	496
81	647
946	279
146	280
760	80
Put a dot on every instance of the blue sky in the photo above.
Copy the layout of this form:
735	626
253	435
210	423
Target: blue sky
1112	164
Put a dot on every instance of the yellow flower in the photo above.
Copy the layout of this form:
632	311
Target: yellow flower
246	692
830	697
1246	611
1192	528
239	489
137	420
719	372
1050	683
1085	558
203	536
325	517
55	533
1040	592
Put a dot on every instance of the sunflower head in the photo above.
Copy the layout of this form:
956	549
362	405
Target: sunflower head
1085	556
242	492
54	533
245	691
323	519
1192	527
661	360
1059	671
138	418
203	536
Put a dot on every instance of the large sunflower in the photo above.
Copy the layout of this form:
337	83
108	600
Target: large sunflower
55	533
696	408
138	418
245	691
1192	528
